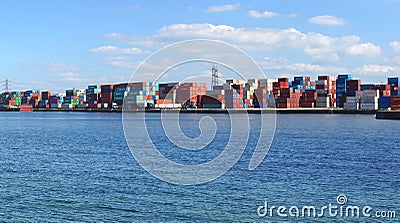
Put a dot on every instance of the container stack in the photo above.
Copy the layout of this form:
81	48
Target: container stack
213	99
308	98
248	93
14	99
141	95
45	95
26	97
394	86
93	96
167	91
369	100
288	99
186	93
341	89
69	93
352	103
326	92
395	102
261	98
106	95
120	91
233	99
81	94
4	98
43	104
71	99
353	88
44	99
308	84
56	101
266	83
34	101
277	86
298	84
384	89
234	90
18	98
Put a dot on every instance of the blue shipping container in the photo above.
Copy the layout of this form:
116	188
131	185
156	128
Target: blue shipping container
384	102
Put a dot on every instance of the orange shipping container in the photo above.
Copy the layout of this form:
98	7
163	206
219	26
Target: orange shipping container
164	101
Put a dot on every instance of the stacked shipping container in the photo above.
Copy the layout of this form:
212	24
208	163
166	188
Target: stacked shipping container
341	89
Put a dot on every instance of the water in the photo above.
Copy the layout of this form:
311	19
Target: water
78	167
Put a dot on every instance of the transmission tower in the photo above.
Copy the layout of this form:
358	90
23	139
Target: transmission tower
6	85
214	76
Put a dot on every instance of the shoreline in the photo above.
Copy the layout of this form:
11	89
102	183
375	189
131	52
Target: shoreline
216	111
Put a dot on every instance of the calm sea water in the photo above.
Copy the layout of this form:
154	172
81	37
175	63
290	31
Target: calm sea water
78	167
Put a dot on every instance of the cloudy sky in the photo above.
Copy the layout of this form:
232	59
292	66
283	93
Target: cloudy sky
59	44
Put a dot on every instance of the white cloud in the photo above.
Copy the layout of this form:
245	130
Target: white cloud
73	77
283	65
262	36
375	69
221	8
365	49
318	51
123	62
327	20
51	67
146	41
395	45
265	14
113	50
396	59
320	47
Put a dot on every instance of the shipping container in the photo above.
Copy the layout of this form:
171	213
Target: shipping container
384	102
352	99
395	102
25	108
369	106
351	106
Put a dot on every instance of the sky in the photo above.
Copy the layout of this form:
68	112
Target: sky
59	44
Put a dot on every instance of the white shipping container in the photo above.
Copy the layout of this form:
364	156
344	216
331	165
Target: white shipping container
55	105
164	106
369	100
351	106
352	99
321	82
369	93
66	106
369	106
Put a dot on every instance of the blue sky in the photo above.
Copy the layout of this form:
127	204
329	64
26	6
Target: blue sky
59	44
